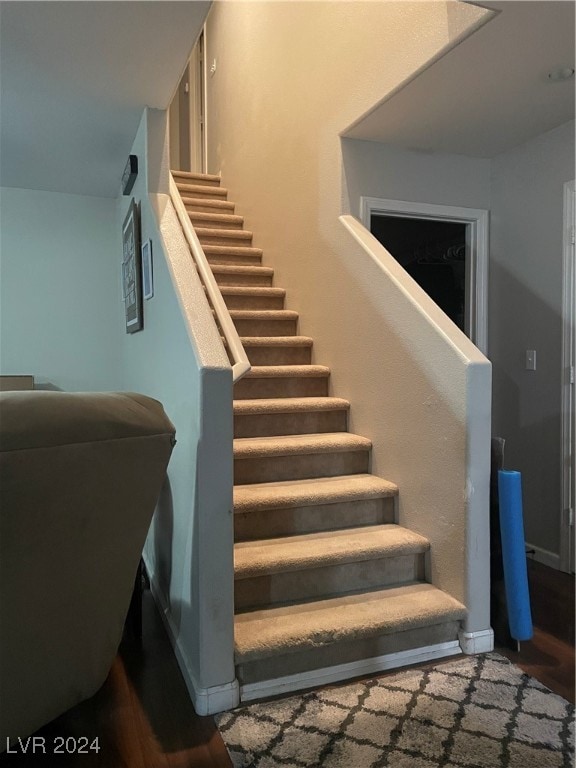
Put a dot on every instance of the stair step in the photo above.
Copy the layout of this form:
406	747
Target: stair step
311	550
230	274
188	177
297	457
278	350
205	205
290	416
201	190
268	381
314	492
216	220
268	510
233	254
226	237
284	640
265	322
314	565
253	297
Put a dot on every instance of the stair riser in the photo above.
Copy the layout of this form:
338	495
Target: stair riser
244	260
239	241
299	466
248	280
318	583
345	653
298	423
209	206
281	386
263	355
254	302
291	521
199	182
203	192
283	327
209	219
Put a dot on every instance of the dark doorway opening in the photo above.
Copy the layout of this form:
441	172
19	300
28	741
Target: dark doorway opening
434	253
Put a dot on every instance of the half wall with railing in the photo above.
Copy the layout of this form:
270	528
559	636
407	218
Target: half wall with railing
438	400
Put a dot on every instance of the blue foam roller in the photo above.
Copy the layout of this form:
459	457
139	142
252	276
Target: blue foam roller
514	554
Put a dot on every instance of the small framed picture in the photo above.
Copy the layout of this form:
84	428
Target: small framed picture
147	270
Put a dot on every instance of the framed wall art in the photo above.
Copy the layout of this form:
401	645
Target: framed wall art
132	270
147	270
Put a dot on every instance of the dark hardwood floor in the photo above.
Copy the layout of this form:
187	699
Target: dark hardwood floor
549	656
143	718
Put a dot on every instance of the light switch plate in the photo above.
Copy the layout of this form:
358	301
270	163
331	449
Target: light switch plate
530	359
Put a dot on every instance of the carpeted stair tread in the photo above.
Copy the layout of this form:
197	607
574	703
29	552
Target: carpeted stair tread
218	220
265	322
287	371
200	190
289	445
284	381
233	234
277	350
321	490
251	290
205	177
241	270
325	548
298	627
263	314
276	341
289	405
232	250
206	202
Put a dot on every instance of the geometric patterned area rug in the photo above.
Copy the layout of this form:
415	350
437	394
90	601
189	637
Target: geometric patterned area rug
474	712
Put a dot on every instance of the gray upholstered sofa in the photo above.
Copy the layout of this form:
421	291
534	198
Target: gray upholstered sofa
80	475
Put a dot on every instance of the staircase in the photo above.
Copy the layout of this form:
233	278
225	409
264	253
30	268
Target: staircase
325	581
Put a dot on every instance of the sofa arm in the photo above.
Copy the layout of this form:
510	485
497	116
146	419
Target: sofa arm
80	475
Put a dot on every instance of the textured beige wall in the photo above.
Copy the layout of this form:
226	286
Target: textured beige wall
290	77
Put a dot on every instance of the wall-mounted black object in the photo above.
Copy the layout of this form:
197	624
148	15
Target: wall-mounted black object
129	175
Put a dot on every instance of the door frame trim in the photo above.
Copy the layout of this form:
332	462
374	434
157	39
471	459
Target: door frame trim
478	219
568	408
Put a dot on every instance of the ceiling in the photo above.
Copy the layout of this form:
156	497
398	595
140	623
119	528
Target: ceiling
74	79
489	93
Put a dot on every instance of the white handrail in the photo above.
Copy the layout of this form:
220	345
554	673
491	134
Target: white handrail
240	364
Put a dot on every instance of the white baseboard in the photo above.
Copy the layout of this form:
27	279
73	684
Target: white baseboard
206	701
341	672
544	556
476	642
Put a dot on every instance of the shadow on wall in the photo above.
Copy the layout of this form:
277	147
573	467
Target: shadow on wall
527	404
47	386
163	541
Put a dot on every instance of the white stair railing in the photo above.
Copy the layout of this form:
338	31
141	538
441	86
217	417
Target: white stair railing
240	364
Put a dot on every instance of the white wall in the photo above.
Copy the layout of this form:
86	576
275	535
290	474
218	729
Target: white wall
283	90
525	313
60	308
372	169
523	189
179	358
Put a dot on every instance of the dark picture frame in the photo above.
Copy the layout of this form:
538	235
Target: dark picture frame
147	270
132	270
